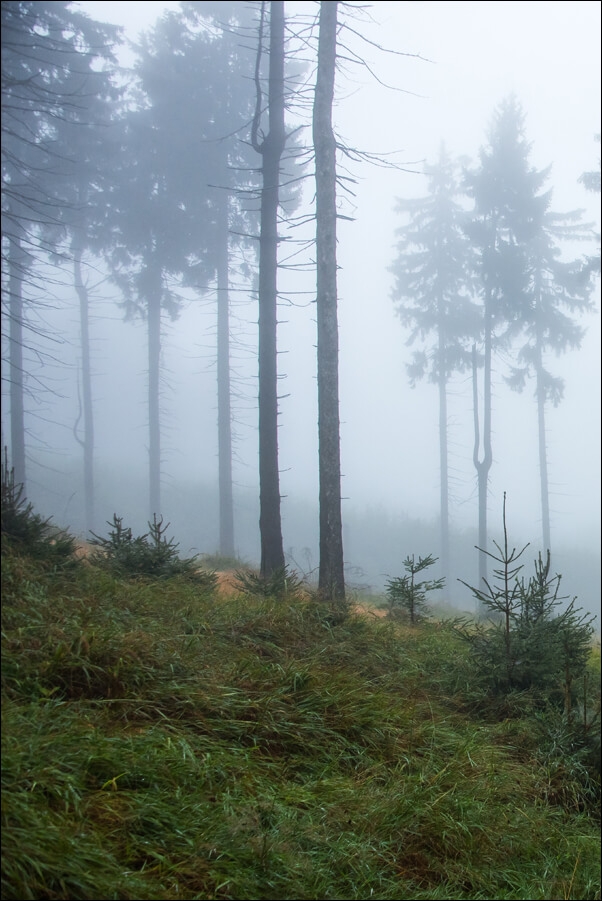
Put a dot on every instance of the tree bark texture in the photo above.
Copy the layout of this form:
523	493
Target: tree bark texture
331	570
87	411
154	290
224	411
270	523
543	451
443	446
17	257
483	466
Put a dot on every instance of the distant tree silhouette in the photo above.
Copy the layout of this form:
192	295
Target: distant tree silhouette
208	73
433	295
557	289
508	213
591	182
82	223
146	256
173	206
50	56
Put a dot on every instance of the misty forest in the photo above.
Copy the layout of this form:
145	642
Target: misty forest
196	197
174	210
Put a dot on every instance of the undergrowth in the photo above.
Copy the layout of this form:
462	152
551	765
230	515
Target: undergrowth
151	554
160	742
24	529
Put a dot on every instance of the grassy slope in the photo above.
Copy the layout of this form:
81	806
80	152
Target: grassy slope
161	742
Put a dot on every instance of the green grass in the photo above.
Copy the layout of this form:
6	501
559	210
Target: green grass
160	742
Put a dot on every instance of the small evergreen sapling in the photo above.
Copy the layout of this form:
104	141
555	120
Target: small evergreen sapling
281	583
526	645
407	598
27	531
150	554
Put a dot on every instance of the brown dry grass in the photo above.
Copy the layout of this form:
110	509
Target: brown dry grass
83	549
369	610
227	584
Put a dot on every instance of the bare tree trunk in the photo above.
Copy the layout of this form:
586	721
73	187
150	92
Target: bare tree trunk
87	412
271	149
154	292
444	487
483	466
487	455
16	263
331	575
224	411
443	448
543	453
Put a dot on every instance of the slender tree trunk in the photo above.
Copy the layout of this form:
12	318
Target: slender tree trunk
483	466
487	455
17	264
444	500
543	453
87	407
443	451
270	524
224	412
154	370
331	574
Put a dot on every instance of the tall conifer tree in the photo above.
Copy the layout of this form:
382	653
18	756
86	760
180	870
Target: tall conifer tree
557	291
433	294
509	211
271	149
331	573
50	70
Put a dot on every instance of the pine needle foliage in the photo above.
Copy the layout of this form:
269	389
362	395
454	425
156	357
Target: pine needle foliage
151	554
282	582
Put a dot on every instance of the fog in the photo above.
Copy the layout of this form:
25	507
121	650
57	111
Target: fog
462	60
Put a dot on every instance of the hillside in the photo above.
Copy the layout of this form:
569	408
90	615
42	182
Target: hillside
164	739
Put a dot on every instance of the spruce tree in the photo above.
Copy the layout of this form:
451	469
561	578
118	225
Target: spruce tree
407	597
508	213
532	641
433	296
331	576
52	72
173	210
271	149
558	290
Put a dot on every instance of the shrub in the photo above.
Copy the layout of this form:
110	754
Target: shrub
26	531
150	554
281	582
407	598
527	646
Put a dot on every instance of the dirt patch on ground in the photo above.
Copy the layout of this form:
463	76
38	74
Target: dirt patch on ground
227	584
83	549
